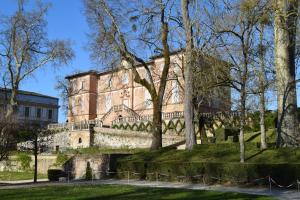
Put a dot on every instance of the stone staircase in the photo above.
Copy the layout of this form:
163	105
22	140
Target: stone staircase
120	109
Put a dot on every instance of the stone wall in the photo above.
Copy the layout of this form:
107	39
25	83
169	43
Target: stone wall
71	139
44	163
100	165
114	138
109	138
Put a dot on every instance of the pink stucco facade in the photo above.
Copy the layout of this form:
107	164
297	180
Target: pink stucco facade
113	94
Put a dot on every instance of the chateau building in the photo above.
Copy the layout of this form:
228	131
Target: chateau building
32	107
113	94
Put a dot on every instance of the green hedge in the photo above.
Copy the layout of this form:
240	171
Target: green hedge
55	174
221	172
88	173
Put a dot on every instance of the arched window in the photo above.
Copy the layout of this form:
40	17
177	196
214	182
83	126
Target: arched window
79	140
120	117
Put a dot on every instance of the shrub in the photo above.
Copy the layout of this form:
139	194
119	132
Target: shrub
88	173
61	159
55	174
25	160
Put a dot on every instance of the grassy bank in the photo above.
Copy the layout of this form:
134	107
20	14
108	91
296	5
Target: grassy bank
220	153
15	176
117	192
217	163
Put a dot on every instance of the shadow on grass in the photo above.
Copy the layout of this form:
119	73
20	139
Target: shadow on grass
254	155
117	192
253	137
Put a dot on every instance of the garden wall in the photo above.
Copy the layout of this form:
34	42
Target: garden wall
100	165
114	138
44	163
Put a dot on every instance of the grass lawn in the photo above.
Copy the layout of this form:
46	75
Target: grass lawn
117	192
14	176
224	152
219	153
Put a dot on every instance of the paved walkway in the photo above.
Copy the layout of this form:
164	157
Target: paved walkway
279	194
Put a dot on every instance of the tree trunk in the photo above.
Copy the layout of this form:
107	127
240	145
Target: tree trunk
35	158
12	106
157	126
158	99
285	37
242	123
190	135
263	141
262	83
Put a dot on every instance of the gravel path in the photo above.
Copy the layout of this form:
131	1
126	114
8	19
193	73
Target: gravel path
279	194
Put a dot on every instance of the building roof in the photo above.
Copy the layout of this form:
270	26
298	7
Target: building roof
99	73
82	74
160	55
28	93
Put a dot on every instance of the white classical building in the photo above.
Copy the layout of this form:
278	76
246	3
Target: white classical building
33	107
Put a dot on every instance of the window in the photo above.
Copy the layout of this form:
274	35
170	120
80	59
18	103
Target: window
148	101
107	102
79	140
125	102
175	92
147	75
38	113
79	104
125	79
50	112
161	67
109	82
177	69
74	85
73	105
27	111
82	85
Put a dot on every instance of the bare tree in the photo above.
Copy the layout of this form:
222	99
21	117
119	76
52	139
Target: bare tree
113	40
37	138
236	28
190	136
67	90
24	48
286	16
7	137
211	92
263	82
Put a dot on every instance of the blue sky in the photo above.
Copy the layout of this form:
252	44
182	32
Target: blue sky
65	21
